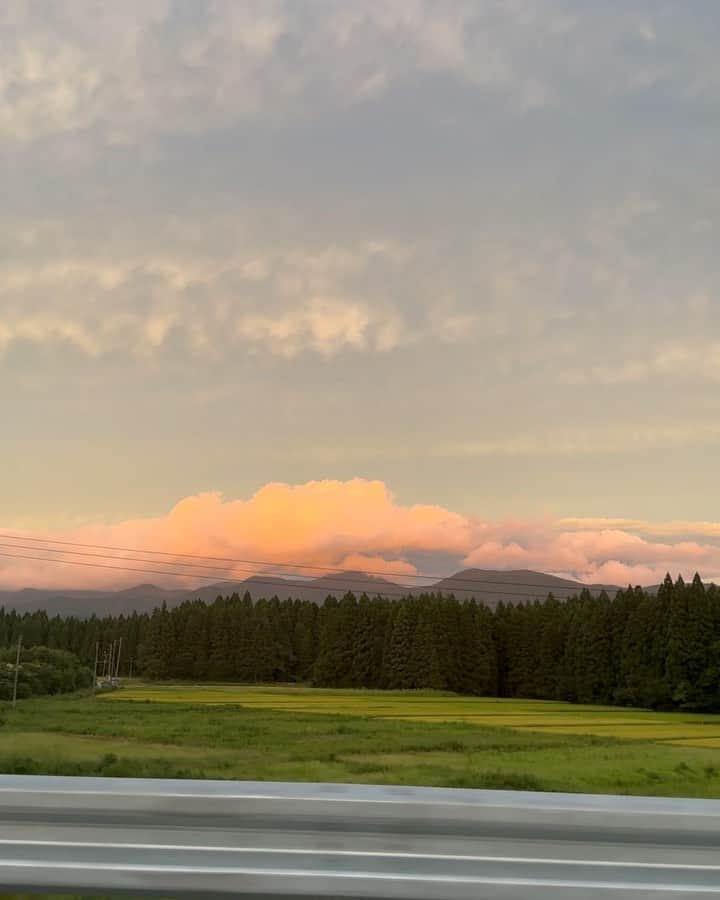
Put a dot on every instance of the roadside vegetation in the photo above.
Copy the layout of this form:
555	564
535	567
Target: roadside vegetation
42	671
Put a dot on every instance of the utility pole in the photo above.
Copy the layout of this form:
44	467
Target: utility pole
117	661
95	672
130	672
17	671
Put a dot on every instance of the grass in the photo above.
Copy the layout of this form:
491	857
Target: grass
296	734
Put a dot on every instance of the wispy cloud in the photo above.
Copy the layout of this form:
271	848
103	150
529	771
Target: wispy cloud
643	526
689	360
578	442
585	441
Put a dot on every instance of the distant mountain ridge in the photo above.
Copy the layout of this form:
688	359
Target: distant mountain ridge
487	585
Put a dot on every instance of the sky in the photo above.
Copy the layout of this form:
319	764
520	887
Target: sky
416	285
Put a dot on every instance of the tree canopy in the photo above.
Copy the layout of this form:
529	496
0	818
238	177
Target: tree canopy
659	650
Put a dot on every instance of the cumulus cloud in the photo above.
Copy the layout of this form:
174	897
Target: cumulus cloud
597	555
359	525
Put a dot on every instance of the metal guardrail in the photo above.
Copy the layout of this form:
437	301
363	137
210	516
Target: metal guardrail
209	838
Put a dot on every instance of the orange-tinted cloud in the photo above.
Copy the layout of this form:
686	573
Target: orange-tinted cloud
359	525
598	555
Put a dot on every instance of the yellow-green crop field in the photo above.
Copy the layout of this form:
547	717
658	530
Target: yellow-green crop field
682	729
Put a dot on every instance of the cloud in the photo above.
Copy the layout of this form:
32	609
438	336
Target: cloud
282	302
643	526
131	68
584	441
326	325
135	68
493	224
358	524
594	555
168	284
696	360
326	523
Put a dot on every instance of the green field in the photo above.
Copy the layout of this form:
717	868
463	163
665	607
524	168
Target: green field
296	734
689	729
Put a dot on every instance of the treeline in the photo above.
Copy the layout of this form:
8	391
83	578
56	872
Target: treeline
42	671
656	650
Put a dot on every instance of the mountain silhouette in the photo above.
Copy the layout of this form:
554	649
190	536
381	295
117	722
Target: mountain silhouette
487	585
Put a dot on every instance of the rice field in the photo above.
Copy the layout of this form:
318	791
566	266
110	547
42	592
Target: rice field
681	729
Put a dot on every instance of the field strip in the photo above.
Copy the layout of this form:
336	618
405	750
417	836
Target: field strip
522	716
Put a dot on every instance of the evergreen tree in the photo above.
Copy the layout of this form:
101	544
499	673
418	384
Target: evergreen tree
363	653
399	660
423	665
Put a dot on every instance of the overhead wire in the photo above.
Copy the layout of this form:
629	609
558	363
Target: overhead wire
237	563
231	573
286	585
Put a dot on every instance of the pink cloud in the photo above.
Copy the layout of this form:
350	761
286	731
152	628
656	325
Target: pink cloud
358	524
609	555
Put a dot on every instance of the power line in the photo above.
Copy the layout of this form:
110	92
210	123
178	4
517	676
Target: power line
286	584
253	562
77	562
231	572
150	562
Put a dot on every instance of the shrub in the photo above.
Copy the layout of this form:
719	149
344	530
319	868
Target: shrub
42	671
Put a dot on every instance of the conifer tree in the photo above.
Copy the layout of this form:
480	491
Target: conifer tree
399	663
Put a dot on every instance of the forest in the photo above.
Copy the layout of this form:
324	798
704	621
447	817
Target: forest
658	650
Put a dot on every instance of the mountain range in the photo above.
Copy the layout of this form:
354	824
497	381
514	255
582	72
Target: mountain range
486	585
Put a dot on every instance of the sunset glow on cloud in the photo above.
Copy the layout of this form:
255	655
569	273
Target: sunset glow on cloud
358	525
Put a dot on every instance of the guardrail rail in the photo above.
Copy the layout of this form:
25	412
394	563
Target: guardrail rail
221	839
